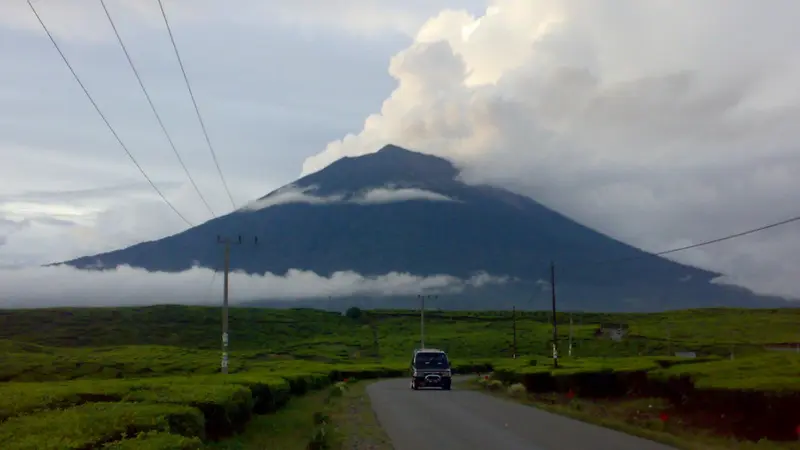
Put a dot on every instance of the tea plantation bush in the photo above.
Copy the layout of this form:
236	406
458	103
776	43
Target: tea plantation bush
156	440
173	412
759	395
91	425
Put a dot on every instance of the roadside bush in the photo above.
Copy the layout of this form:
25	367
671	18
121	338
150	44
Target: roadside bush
517	390
335	391
494	385
269	390
468	367
24	398
156	440
92	425
226	408
300	383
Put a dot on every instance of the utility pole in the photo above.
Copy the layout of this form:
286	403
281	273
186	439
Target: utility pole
422	318
570	334
555	324
514	325
669	341
227	245
376	346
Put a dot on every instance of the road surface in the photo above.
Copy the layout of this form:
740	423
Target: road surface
470	420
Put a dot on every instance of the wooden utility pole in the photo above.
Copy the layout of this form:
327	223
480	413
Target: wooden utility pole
555	322
514	325
227	245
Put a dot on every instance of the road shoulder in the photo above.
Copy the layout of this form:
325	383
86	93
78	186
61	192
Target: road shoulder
354	425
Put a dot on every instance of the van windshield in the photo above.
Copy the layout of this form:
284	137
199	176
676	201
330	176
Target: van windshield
437	360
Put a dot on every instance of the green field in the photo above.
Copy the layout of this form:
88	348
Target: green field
148	377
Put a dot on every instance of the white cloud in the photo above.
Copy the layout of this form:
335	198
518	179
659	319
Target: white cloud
297	194
48	226
383	195
62	286
292	194
658	122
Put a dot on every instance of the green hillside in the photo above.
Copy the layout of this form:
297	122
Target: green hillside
133	377
316	333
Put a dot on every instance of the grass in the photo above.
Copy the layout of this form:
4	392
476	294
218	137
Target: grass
354	424
150	369
290	428
349	420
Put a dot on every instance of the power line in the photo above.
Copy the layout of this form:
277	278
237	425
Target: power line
153	107
194	102
102	116
700	244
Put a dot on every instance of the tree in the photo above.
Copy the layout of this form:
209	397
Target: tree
354	313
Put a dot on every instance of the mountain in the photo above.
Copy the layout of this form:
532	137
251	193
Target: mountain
402	211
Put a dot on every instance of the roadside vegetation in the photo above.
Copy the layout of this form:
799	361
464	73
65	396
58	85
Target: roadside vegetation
147	378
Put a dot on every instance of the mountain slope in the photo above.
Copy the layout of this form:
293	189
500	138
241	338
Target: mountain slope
397	210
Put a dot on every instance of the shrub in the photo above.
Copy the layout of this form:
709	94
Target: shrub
494	385
517	390
92	425
226	408
354	313
319	439
23	398
156	440
320	418
269	390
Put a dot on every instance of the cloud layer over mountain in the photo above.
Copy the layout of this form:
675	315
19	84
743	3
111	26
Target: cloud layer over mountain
296	194
661	123
66	286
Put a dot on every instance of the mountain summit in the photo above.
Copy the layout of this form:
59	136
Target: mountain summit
401	211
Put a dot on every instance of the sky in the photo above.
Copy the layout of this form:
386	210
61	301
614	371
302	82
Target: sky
660	123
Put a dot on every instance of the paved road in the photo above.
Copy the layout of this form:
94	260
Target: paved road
470	420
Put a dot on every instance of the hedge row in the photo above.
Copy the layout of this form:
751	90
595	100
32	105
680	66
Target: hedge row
755	397
590	377
156	440
169	412
95	424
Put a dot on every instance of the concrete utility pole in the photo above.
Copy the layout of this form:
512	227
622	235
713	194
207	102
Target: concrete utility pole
514	325
669	340
375	344
227	243
422	317
570	334
555	323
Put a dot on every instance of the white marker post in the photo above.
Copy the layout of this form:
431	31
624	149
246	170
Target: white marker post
224	365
